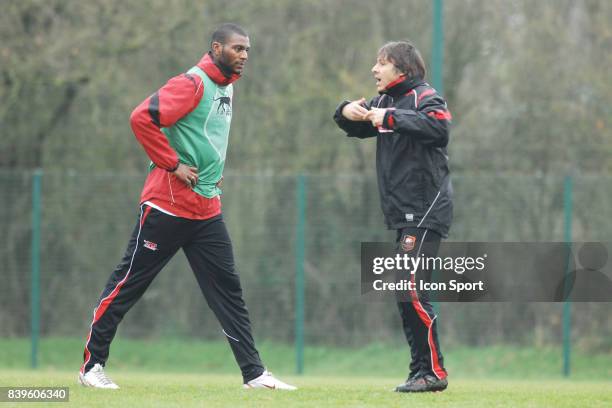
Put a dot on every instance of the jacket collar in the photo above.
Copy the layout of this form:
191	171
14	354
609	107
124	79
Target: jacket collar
214	72
402	85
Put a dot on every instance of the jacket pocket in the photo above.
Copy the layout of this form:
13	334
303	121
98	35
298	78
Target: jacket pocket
417	189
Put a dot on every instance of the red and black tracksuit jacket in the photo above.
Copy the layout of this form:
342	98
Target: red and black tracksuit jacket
411	158
173	101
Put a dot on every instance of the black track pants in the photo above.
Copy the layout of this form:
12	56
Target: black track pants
416	310
156	238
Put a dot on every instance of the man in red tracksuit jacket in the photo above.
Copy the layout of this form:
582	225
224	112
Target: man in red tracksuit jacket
184	128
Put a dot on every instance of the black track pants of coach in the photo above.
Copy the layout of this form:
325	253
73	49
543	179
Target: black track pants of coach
416	310
156	238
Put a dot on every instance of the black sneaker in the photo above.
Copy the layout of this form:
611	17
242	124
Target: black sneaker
404	386
423	383
414	374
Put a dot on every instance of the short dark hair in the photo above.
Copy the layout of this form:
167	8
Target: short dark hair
405	57
224	31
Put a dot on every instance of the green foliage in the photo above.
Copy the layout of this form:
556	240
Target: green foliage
527	82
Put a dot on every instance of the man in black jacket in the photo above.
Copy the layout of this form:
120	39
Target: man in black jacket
411	124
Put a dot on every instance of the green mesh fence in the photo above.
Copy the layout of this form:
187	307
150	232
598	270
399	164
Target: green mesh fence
87	219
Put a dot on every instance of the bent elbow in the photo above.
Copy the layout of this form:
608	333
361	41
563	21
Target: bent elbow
137	122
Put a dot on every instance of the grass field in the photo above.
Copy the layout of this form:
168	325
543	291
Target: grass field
187	390
192	373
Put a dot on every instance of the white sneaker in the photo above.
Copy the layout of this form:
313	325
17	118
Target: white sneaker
267	380
97	378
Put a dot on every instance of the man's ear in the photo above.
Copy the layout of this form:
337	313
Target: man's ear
216	48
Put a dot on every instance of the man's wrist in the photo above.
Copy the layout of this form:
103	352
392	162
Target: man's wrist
173	169
341	107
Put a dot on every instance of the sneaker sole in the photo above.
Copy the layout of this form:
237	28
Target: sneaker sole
84	383
419	391
248	387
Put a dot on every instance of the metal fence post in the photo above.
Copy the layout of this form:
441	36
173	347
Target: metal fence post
35	266
300	249
437	63
437	48
567	316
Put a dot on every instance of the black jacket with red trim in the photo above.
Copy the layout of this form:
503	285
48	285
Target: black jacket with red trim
411	157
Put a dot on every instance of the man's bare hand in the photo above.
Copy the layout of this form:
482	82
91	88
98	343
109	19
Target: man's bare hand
187	174
355	110
376	116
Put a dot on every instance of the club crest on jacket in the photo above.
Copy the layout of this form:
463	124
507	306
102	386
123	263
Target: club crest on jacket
408	242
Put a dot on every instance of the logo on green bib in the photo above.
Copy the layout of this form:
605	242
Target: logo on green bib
225	105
